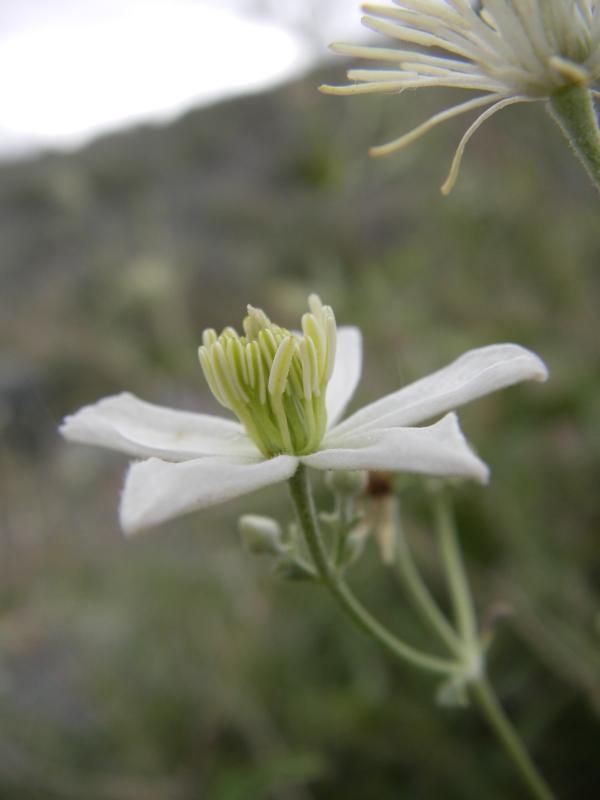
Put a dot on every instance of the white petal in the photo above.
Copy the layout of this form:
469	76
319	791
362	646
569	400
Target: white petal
157	490
126	423
473	375
439	449
346	372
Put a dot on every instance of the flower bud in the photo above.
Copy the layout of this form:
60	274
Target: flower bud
261	535
351	482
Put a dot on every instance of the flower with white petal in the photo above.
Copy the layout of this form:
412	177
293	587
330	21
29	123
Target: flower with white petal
289	391
509	51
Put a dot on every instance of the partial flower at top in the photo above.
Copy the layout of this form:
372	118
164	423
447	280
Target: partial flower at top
509	51
288	391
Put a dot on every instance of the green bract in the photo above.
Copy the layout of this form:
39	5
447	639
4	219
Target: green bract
274	380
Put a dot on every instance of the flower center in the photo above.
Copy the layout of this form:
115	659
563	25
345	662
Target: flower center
274	380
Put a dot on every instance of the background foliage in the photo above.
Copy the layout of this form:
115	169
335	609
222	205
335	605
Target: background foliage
176	666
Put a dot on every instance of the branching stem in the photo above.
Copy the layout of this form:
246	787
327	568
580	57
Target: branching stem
478	686
304	504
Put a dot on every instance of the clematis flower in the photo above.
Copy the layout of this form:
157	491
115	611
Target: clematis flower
509	52
289	391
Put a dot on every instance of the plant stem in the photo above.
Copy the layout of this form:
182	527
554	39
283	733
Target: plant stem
305	509
455	571
478	686
422	599
483	693
573	111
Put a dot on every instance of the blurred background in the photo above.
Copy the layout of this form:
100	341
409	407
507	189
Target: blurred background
176	665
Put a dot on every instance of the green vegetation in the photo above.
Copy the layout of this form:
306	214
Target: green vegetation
175	666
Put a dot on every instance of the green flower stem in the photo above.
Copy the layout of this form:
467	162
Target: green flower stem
458	584
303	501
423	601
482	692
573	111
479	687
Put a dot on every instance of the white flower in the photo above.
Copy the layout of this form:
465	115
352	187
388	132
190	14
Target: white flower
290	390
510	51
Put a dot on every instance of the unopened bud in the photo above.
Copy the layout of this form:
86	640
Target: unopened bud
351	482
261	535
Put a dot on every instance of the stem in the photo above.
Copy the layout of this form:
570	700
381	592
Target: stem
422	598
573	111
455	571
478	686
303	501
483	693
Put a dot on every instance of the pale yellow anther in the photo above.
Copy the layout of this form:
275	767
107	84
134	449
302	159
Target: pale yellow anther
209	337
206	365
255	322
314	331
268	345
259	370
281	366
307	376
315	304
249	359
331	337
237	366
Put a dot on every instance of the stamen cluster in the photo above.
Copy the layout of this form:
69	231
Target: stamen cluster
509	51
274	380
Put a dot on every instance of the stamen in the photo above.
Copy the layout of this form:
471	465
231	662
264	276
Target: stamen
281	366
209	337
436	119
274	380
456	161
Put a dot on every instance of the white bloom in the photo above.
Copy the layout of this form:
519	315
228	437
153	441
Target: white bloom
290	390
509	51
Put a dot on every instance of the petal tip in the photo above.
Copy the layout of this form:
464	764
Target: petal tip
73	426
541	374
536	369
482	472
132	510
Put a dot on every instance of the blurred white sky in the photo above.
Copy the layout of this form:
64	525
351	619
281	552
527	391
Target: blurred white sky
75	68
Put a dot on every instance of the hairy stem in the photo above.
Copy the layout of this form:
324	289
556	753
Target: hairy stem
573	111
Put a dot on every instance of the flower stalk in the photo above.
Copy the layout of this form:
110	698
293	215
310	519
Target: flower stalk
421	597
484	695
573	111
477	683
460	593
303	501
468	666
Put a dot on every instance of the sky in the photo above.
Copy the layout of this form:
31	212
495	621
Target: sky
79	68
